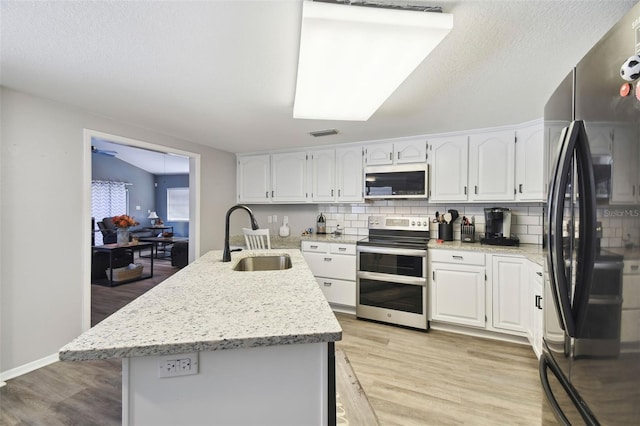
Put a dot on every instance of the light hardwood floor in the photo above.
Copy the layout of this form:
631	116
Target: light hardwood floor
408	377
440	378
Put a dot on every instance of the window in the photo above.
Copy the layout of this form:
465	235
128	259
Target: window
178	204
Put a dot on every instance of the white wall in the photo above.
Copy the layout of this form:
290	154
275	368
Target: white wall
42	246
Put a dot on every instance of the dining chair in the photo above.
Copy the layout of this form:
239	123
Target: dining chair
257	239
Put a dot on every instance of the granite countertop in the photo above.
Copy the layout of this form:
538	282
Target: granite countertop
207	306
533	252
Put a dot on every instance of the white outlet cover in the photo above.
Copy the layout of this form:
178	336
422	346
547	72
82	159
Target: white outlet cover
189	361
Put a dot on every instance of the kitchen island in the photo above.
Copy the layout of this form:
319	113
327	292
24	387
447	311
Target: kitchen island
260	344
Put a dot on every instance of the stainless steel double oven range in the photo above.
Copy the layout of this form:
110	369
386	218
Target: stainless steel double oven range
391	281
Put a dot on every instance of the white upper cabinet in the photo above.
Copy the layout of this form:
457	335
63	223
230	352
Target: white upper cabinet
336	175
323	175
289	177
600	137
379	154
449	168
254	179
413	151
398	152
531	173
349	174
625	187
491	166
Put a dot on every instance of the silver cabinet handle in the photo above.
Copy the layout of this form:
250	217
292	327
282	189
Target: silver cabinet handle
342	248
457	257
520	188
539	274
328	259
465	190
476	189
391	156
266	194
327	284
634	267
314	247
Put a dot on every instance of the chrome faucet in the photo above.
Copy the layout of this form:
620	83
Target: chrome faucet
226	255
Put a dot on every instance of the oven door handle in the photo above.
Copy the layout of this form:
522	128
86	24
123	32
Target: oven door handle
400	279
391	250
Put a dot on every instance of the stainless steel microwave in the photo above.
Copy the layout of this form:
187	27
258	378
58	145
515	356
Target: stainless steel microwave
401	181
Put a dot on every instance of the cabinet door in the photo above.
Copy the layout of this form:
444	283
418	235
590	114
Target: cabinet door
349	175
254	179
553	131
491	166
458	294
600	137
414	151
530	164
289	177
449	168
624	174
379	154
535	307
323	175
510	287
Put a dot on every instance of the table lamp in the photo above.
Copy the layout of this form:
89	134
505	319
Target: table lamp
153	216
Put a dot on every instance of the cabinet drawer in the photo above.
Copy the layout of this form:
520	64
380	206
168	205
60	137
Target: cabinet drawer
631	267
338	291
314	246
451	256
342	249
332	265
630	326
631	292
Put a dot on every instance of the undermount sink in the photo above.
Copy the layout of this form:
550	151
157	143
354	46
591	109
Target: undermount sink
264	263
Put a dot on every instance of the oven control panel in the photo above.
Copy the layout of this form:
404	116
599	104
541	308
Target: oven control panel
413	223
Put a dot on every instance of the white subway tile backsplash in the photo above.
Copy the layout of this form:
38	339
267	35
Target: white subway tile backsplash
535	229
526	224
527	220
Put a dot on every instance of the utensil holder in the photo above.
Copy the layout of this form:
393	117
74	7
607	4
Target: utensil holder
445	231
468	233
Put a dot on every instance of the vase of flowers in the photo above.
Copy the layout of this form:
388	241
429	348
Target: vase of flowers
122	223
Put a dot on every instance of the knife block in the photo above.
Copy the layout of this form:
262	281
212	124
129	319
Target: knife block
445	231
468	233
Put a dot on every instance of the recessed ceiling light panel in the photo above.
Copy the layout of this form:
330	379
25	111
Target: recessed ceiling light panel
353	58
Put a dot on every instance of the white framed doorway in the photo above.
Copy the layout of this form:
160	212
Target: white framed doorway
194	203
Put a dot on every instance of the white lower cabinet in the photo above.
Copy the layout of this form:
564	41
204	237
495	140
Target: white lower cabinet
536	316
334	266
457	287
510	289
630	321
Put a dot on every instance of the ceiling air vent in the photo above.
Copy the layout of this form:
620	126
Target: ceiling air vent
327	132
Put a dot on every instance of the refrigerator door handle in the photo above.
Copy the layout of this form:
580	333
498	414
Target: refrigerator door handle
551	220
586	254
560	282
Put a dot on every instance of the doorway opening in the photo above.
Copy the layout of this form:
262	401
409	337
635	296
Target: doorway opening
144	169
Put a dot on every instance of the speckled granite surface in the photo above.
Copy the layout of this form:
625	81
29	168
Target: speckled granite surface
533	252
208	306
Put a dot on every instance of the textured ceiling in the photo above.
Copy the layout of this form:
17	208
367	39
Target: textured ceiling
222	73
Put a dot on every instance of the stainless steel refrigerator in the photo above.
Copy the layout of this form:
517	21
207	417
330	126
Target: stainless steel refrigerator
590	368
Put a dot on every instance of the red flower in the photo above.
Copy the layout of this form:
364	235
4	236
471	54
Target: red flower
124	221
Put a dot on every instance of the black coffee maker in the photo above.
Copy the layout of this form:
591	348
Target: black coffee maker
498	227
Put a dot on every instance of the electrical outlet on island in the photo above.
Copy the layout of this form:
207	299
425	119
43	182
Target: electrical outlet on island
178	365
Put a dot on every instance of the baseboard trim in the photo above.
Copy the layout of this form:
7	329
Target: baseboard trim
487	334
27	368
